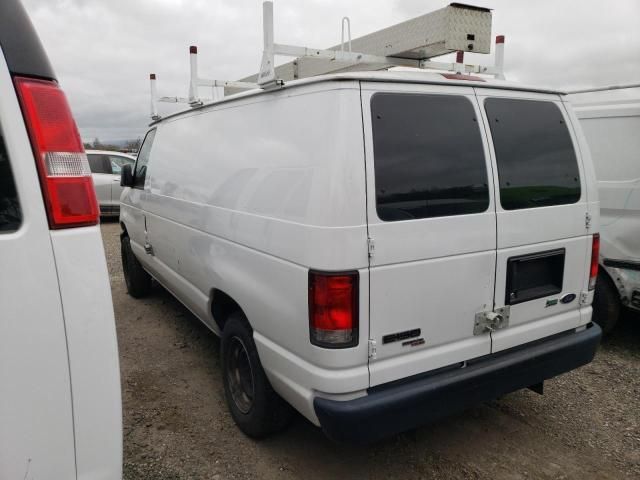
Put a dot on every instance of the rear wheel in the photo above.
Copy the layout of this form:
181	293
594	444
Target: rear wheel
138	281
254	405
606	304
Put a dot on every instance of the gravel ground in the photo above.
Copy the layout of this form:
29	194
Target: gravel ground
176	425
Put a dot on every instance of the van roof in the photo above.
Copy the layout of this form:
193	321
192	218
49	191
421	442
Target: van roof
397	76
619	102
628	107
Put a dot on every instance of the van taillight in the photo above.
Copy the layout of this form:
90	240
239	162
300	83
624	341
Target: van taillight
63	168
595	253
333	309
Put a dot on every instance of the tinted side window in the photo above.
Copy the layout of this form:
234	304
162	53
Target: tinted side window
428	156
537	164
10	213
99	163
140	170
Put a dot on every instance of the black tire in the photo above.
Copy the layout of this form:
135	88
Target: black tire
138	281
606	304
255	407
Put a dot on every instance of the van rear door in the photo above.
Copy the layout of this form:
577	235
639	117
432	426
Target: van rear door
544	242
432	227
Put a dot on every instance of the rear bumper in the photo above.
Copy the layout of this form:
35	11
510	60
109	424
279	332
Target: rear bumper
400	406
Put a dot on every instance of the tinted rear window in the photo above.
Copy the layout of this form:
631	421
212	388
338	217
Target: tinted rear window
10	213
428	156
537	165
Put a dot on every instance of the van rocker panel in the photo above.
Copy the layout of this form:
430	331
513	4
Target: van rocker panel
399	406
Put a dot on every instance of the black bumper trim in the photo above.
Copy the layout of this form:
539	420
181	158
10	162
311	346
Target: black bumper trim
402	406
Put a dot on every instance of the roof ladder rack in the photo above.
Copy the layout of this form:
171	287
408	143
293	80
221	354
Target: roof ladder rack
195	82
455	28
267	77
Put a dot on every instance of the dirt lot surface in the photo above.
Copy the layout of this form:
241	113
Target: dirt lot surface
176	425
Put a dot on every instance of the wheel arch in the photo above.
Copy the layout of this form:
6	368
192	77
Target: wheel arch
222	306
610	276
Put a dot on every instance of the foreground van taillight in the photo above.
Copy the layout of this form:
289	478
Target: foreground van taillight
63	168
595	254
333	309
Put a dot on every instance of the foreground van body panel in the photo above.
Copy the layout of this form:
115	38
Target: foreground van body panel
60	406
93	351
35	399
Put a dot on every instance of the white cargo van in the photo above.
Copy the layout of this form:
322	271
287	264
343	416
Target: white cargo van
378	249
611	128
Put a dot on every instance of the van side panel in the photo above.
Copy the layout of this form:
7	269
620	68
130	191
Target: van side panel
246	197
611	131
614	142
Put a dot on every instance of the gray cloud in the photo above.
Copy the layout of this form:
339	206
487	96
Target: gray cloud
104	50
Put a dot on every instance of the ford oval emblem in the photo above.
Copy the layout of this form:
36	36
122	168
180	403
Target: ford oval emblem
568	298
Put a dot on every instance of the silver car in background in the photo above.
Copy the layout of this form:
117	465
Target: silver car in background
105	169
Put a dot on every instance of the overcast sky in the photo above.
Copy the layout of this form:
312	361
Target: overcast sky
104	50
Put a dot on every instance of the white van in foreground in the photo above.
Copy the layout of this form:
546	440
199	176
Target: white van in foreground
612	130
377	249
60	406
